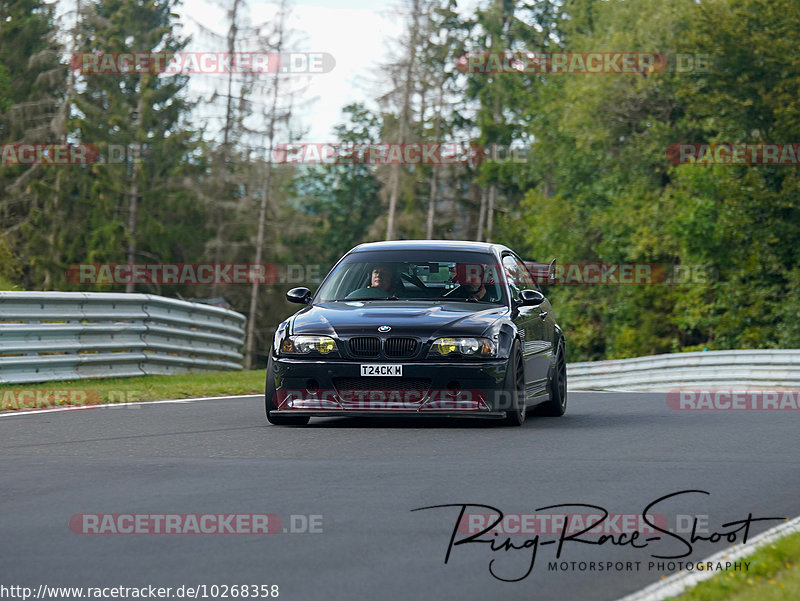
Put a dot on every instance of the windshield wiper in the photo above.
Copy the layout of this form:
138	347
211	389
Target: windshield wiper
365	298
451	299
454	299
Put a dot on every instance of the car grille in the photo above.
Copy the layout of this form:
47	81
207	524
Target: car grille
401	347
365	346
387	385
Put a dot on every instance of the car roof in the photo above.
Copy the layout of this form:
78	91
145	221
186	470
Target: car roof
456	245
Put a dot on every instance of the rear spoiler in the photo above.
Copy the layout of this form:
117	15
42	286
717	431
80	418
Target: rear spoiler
542	273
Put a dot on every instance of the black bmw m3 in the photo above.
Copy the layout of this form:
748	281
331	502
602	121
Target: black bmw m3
422	328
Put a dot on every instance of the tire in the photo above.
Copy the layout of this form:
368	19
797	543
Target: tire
557	386
514	388
269	394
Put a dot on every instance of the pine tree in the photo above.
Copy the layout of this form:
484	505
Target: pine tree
31	96
141	207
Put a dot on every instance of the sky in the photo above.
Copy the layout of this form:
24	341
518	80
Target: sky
357	33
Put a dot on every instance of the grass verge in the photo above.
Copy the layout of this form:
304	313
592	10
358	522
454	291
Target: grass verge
127	390
774	575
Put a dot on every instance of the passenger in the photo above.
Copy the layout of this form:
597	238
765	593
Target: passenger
470	278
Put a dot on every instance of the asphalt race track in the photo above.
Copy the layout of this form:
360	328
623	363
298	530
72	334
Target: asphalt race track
364	477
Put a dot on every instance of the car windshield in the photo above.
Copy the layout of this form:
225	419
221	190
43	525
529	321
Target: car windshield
438	275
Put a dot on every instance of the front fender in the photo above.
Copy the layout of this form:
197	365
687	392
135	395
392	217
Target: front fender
504	333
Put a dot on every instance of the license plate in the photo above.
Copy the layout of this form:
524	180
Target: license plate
376	369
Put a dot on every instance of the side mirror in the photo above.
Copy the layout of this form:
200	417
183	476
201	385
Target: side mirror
530	298
301	296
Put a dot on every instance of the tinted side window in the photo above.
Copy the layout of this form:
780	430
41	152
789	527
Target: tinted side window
511	270
524	276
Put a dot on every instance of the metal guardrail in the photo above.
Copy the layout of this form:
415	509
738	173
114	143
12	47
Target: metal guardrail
738	370
71	335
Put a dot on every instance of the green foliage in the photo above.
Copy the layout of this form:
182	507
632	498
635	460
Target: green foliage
30	74
342	200
608	194
772	574
597	186
9	267
137	389
5	89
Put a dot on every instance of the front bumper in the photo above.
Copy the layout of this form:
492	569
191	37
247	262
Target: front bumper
329	388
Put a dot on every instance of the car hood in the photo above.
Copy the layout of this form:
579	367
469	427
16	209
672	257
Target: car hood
422	319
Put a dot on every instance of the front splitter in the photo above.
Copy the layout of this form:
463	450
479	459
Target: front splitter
379	413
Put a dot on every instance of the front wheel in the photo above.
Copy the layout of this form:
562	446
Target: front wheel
269	406
514	389
557	386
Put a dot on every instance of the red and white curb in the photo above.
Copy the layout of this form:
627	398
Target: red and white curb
22	412
678	583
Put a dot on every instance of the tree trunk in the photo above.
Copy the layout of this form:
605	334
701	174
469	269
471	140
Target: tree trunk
394	181
432	202
133	194
492	200
233	31
482	215
435	170
262	214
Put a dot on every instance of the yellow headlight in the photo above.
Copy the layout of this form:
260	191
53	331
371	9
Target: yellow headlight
301	345
325	345
445	346
466	347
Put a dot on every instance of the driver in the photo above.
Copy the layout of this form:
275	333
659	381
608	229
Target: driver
383	282
382	276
